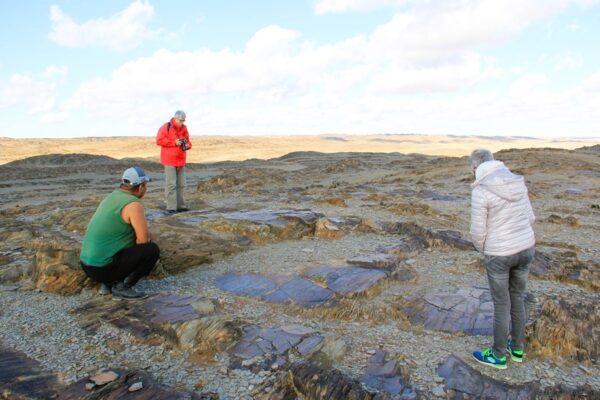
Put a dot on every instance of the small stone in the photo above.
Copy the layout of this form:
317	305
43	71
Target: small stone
439	379
104	378
136	386
438	391
201	383
90	386
307	250
274	366
371	351
585	369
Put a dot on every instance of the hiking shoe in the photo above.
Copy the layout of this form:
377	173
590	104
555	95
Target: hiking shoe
122	291
104	289
487	357
171	211
515	355
183	209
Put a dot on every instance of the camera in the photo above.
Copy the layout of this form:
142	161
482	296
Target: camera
184	144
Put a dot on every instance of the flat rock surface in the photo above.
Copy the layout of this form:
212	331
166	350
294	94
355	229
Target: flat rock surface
462	378
385	375
467	310
278	289
23	377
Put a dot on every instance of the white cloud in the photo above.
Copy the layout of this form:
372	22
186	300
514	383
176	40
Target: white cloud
339	6
38	95
592	83
281	83
438	78
121	31
568	61
528	84
54	71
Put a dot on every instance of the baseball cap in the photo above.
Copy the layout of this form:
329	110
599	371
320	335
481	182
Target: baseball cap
134	176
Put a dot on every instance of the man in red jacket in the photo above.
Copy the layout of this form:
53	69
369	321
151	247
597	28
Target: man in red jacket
174	139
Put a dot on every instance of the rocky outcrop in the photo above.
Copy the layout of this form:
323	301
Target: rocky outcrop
309	382
190	322
326	229
567	328
386	376
23	378
348	281
567	267
57	269
277	289
271	348
127	384
262	226
468	310
428	238
183	246
460	380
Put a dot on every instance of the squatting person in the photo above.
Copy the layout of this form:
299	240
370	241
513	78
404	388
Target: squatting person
174	140
501	228
117	249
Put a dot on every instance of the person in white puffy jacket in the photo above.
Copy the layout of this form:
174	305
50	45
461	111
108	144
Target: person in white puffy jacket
501	228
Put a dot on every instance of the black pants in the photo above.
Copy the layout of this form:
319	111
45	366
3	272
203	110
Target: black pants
133	262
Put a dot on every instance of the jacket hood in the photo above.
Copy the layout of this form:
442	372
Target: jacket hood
495	177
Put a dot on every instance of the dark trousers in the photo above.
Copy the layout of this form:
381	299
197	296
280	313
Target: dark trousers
131	263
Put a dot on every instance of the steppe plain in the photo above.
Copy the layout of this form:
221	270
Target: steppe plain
330	267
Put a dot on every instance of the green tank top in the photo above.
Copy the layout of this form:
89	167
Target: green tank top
107	233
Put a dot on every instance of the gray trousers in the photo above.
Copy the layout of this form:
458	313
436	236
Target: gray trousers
507	276
174	187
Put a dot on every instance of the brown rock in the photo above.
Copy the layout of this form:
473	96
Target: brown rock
190	322
309	382
567	328
57	270
325	229
120	389
566	266
104	377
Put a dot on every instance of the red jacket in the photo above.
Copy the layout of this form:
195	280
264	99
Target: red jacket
170	153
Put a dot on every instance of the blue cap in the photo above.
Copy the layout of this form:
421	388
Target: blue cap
134	176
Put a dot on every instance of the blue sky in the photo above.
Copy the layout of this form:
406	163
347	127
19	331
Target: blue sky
464	67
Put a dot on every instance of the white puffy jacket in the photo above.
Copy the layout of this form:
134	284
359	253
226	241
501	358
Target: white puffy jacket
501	214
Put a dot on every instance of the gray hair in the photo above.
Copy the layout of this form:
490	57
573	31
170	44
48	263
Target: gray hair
180	115
479	156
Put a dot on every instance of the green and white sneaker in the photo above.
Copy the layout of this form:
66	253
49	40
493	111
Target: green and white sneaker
487	357
515	355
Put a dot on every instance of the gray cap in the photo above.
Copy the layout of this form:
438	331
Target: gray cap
180	115
134	176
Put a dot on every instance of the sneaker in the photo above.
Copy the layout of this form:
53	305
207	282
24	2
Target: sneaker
515	355
171	211
104	289
183	209
487	357
122	291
